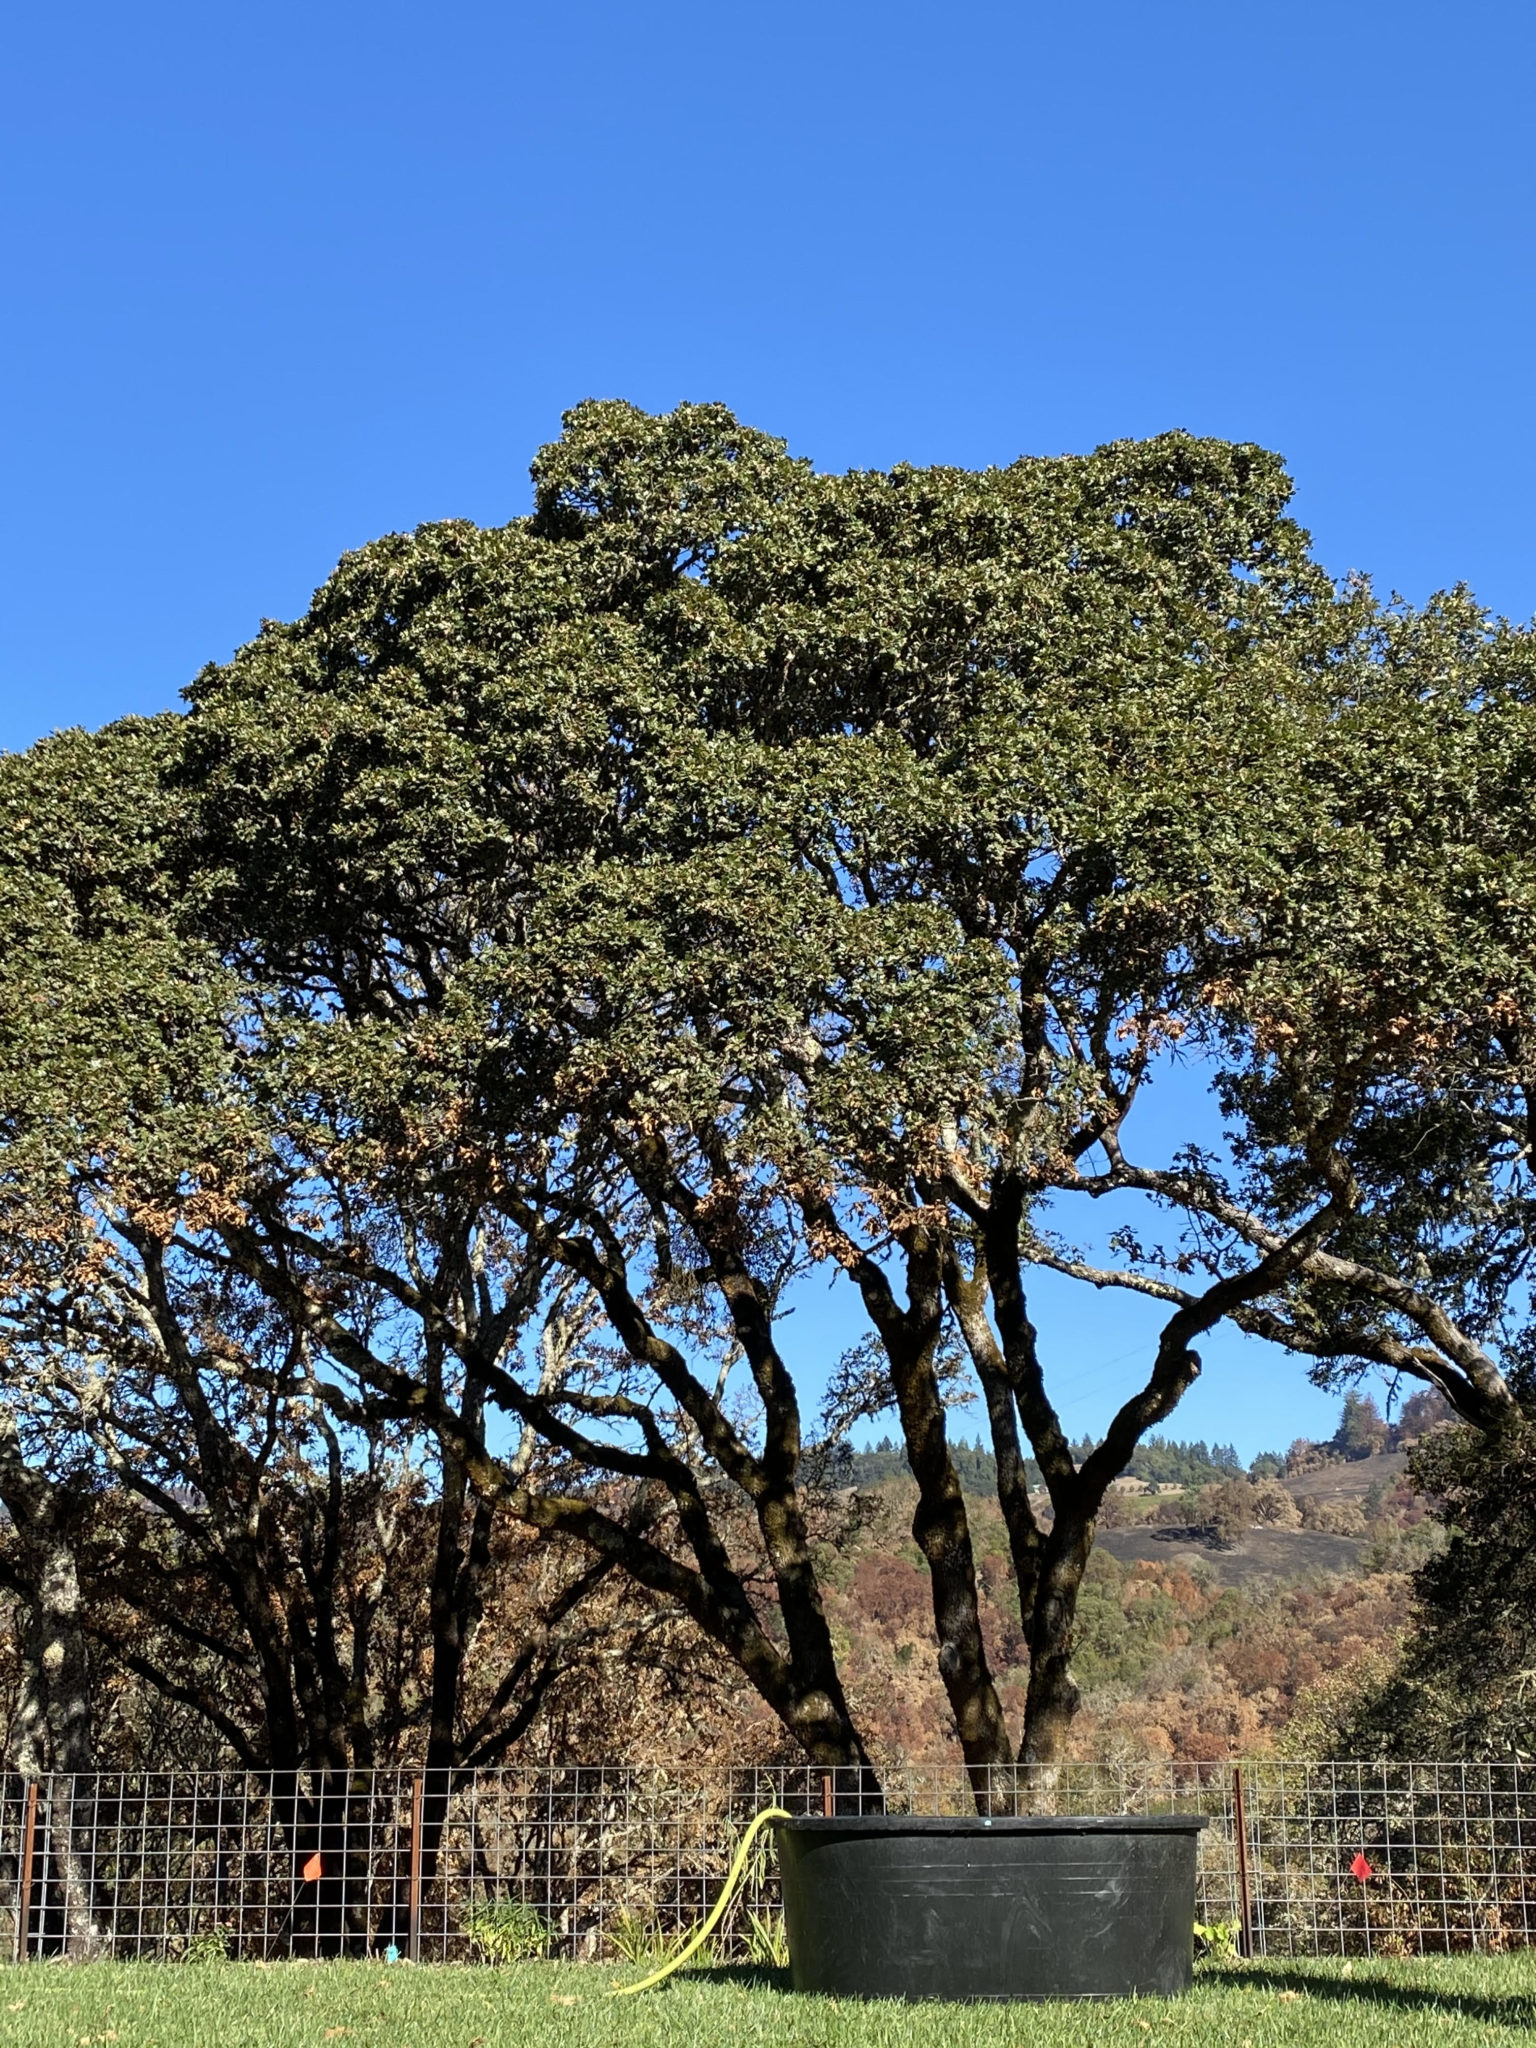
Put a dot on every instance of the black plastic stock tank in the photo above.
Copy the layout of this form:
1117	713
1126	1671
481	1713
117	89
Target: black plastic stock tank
889	1906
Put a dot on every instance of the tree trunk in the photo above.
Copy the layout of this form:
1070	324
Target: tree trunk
940	1526
455	1598
53	1733
1052	1699
941	1530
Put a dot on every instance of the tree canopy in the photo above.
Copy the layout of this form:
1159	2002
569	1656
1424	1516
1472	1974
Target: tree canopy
503	983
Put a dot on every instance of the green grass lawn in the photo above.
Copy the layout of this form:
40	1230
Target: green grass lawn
368	2005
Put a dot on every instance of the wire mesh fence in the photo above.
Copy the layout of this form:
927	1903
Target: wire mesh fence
595	1862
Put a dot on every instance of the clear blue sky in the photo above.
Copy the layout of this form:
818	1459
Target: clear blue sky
280	277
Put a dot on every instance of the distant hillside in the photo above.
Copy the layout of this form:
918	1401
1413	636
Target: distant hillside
1356	1515
1188	1644
1349	1479
1277	1555
1363	1438
1207	1611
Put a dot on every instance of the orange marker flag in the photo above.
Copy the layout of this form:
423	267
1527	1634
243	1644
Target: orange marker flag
314	1868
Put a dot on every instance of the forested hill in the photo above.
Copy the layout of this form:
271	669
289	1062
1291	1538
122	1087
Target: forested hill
1217	1604
1158	1461
1363	1432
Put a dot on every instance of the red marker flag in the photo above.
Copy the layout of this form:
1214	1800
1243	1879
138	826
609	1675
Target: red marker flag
1359	1868
315	1868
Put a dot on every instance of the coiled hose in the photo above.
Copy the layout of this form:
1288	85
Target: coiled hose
732	1882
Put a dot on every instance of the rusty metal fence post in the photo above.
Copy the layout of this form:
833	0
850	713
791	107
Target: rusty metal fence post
415	1900
24	1875
1244	1896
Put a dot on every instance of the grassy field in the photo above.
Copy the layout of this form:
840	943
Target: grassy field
368	2005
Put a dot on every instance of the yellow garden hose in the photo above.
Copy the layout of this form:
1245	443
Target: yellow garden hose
770	1813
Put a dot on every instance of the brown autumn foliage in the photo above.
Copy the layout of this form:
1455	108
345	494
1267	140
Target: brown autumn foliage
1175	1660
1172	1661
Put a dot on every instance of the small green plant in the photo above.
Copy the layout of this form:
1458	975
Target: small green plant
506	1930
760	1933
639	1940
1216	1940
767	1943
208	1945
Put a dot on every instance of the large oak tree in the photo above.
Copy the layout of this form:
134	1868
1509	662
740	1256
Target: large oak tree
566	936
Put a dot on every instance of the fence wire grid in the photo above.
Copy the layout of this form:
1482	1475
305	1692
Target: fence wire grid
1297	1859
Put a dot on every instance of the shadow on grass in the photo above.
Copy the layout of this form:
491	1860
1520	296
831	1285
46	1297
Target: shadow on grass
748	1976
1365	1987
